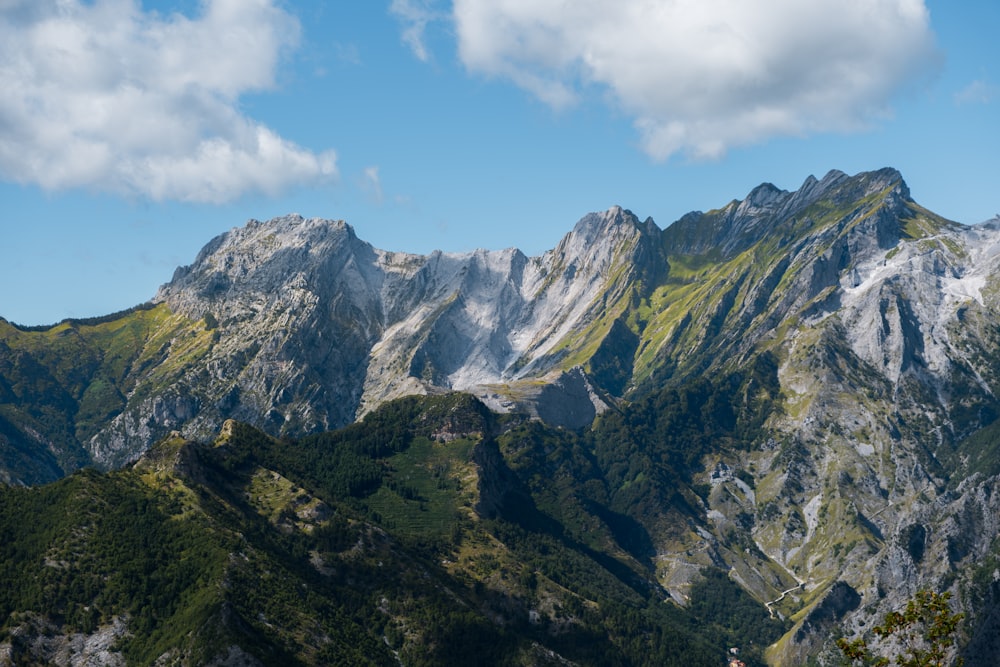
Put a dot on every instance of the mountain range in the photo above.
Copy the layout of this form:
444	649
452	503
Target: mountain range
796	391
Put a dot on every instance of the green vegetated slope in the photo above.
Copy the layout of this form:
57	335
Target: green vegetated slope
60	385
737	282
433	533
716	303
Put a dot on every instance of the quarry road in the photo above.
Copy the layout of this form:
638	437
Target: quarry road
782	597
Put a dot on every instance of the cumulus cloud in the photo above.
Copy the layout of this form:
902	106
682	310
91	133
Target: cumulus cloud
701	76
107	96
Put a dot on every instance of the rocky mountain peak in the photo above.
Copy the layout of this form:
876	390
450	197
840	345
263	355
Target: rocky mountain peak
594	225
314	327
597	237
258	261
767	210
353	326
866	184
764	195
812	189
261	239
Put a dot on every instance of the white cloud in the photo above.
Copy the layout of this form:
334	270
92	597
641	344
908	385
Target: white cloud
977	92
415	15
107	96
372	184
701	76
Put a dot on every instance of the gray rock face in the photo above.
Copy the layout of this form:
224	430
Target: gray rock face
38	641
885	333
316	328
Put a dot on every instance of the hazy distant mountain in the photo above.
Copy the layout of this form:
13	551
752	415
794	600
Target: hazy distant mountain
798	388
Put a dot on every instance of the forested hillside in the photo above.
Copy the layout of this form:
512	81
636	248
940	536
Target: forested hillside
434	532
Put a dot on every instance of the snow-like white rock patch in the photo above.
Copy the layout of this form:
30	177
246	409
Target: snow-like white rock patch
864	448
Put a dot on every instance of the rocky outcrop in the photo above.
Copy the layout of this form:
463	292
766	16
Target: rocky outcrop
35	640
314	328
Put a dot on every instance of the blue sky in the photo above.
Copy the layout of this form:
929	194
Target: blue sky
131	132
